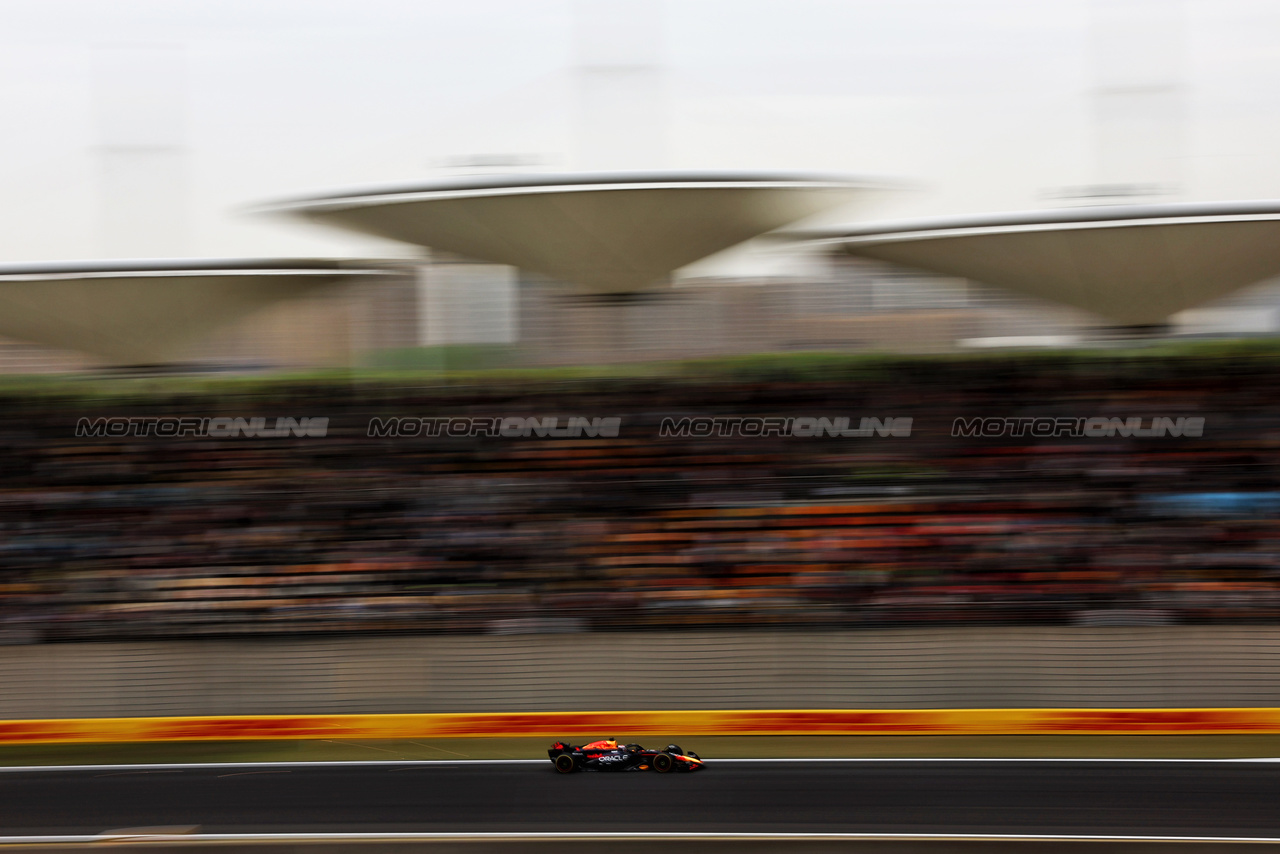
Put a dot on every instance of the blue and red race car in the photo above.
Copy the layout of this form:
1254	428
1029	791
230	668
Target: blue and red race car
607	755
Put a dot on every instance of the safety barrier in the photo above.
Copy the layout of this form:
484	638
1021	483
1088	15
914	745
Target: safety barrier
959	667
643	723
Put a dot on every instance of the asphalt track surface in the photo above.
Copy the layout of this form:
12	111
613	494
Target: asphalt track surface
1170	798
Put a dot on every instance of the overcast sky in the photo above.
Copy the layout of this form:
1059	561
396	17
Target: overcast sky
983	105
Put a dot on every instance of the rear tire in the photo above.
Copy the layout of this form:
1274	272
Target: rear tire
566	763
663	762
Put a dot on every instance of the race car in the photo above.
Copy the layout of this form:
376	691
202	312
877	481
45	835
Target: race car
607	755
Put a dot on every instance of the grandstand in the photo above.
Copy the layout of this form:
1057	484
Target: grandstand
142	536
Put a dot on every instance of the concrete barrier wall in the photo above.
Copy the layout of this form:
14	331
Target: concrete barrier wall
1023	667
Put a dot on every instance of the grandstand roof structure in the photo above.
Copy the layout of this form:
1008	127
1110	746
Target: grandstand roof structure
146	312
1133	264
605	233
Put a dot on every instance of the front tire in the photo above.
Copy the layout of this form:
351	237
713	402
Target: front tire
566	763
663	762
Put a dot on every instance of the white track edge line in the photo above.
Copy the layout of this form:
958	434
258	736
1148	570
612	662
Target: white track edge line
660	835
357	763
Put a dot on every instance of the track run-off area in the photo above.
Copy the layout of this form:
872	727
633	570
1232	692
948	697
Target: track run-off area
1160	798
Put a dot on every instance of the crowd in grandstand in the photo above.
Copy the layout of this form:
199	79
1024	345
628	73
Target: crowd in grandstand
183	536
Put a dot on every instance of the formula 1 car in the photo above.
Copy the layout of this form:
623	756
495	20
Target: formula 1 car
607	755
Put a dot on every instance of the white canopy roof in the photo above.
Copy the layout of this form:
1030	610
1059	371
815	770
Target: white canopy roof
142	312
599	232
1134	264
